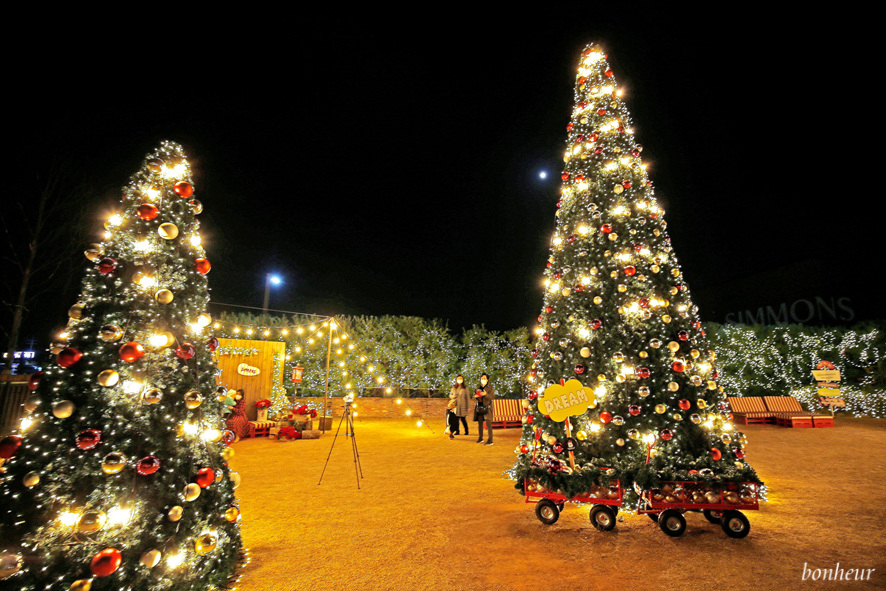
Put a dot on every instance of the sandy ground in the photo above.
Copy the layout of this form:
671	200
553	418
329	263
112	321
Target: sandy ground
437	514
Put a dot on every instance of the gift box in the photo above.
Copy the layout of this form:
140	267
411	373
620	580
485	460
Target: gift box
323	423
311	434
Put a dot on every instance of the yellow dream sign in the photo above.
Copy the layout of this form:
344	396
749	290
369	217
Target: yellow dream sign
567	400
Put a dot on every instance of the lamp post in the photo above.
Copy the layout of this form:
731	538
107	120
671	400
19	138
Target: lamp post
269	279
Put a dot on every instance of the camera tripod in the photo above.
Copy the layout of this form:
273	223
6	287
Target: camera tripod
348	419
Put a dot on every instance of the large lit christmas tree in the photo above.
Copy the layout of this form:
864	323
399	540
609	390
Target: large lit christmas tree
618	318
118	477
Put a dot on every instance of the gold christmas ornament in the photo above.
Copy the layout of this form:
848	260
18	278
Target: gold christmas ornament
598	300
712	385
655	268
633	434
76	311
91	521
168	231
31	403
674	346
585	352
551	439
192	491
62	409
666	319
31	479
701	403
678	417
111	333
235	479
150	558
205	543
113	463
175	513
673	386
196	206
661	409
164	296
581	435
81	585
232	513
643	391
152	396
108	378
193	399
618	356
643	354
620	442
695	353
94	252
227	453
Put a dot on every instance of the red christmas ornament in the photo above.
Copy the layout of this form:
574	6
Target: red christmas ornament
185	351
595	324
643	372
605	416
533	395
202	266
598	150
683	335
638	247
582	105
205	477
739	454
569	126
68	357
601	111
9	445
579	178
105	562
630	270
606	228
635	153
565	175
716	454
540	317
147	465
535	352
678	366
693	471
546	336
557	275
34	381
666	434
594	137
579	139
212	343
608	72
634	410
131	352
228	437
147	212
89	439
524	449
626	184
644	303
582	79
578	288
549	309
530	419
579	369
183	189
107	266
558	448
571	238
696	325
684	404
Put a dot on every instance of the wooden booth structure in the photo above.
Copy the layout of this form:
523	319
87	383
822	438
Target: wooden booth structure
252	366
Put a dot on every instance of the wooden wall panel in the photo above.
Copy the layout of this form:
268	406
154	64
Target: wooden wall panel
261	354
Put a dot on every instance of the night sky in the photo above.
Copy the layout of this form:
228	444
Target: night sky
384	169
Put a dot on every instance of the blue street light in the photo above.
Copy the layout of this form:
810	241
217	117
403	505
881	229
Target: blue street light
270	278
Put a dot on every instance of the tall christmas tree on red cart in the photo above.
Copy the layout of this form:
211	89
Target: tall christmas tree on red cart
618	327
118	477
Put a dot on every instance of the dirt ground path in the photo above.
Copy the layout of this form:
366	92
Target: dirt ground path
437	514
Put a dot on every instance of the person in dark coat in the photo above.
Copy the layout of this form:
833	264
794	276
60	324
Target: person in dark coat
484	397
462	397
238	422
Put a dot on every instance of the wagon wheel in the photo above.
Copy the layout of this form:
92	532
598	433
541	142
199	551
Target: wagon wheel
672	522
603	517
735	524
713	516
547	512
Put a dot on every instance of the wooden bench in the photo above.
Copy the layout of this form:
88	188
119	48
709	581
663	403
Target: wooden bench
750	410
789	413
507	412
262	428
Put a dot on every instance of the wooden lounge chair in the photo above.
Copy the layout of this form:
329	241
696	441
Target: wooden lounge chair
262	428
750	410
507	412
789	413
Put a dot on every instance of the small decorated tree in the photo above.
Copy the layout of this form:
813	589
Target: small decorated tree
619	327
118	477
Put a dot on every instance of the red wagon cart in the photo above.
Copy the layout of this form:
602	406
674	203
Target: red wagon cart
605	500
724	506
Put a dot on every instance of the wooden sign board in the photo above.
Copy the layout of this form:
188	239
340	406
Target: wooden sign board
568	400
828	384
832	401
828	392
250	365
826	375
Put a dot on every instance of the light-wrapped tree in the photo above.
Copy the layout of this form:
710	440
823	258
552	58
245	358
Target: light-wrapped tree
618	317
118	477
